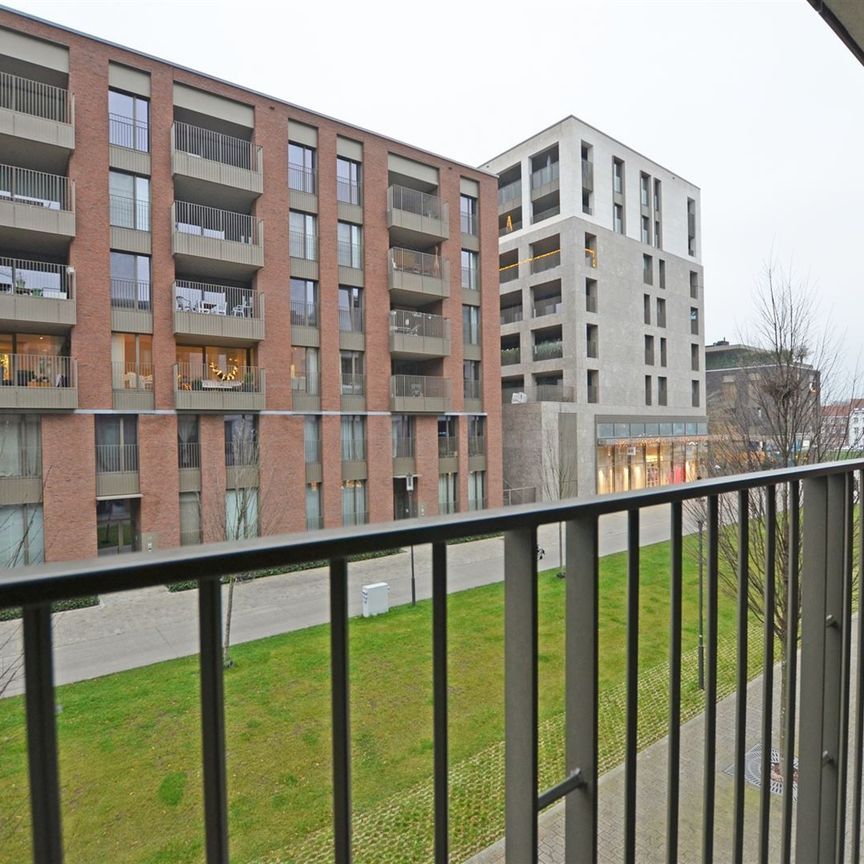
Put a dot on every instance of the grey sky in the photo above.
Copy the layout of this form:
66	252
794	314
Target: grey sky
759	104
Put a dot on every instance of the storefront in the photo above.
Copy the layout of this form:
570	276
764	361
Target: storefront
636	455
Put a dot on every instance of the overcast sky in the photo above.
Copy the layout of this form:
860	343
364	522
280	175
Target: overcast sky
757	103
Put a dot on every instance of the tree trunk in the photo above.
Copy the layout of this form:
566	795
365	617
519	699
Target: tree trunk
227	662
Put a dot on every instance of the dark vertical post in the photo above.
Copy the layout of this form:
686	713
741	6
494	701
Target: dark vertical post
700	646
859	687
439	686
768	604
632	708
340	704
520	695
213	720
742	608
710	686
673	770
413	579
42	736
580	813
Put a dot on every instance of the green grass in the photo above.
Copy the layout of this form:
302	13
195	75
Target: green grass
130	743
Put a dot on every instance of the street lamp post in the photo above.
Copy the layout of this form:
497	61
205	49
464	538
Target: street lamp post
701	645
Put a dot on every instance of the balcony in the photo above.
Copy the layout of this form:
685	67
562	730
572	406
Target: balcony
306	392
511	356
544	181
415	278
418	335
511	315
679	779
207	388
116	470
36	113
548	306
352	386
206	313
130	225
211	157
537	393
413	394
417	216
38	382
40	204
510	196
38	295
207	235
543	261
131	308
132	386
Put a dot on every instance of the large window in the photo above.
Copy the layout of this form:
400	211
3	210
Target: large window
350	245
128	121
241	513
350	309
20	445
303	235
188	441
116	443
476	490
117	524
314	513
471	378
241	439
129	201
402	426
190	518
354	510
22	539
348	180
471	325
470	270
130	281
304	370
353	438
468	214
301	168
312	439
132	361
448	493
352	372
304	302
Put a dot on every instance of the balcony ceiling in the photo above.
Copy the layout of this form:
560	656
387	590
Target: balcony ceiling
846	19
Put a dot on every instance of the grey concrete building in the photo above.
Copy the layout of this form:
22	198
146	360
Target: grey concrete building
602	332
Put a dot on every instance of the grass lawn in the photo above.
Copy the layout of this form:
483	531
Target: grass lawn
130	742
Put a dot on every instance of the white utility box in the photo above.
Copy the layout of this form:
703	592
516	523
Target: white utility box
376	599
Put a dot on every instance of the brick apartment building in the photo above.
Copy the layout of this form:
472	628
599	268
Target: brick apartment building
221	314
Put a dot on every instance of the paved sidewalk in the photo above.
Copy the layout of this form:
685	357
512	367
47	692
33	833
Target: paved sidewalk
137	628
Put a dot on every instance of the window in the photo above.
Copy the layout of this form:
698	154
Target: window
662	350
117	524
586	201
241	439
128	121
644	186
402	430
645	234
694	321
448	493
22	536
691	226
646	308
353	379
353	438
129	200
241	513
350	242
188	442
304	303
314	513
303	235
471	325
312	439
448	437
471	379
661	269
649	350
348	181
591	251
476	490
694	285
116	443
350	309
20	447
592	340
662	396
470	270
354	510
657	244
618	218
130	281
468	214
694	394
190	518
694	358
301	168
648	389
657	195
590	295
661	312
304	370
618	176
132	361
647	269
476	436
593	382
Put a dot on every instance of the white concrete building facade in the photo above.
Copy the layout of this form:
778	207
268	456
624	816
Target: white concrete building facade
602	331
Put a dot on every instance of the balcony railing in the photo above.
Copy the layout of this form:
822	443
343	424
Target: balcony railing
212	378
302	179
351	320
511	356
419	393
37	370
520	495
552	306
36	279
128	133
36	188
508	273
543	261
448	446
26	96
549	350
822	532
419	263
403	447
129	213
312	450
116	458
130	294
469	223
205	298
421	324
538	393
512	192
189	455
130	375
511	315
473	389
353	449
241	453
302	245
476	445
348	192
308	384
304	314
352	384
350	254
417	202
197	219
216	147
544	175
470	279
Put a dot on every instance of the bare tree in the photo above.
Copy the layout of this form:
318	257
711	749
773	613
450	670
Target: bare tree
558	465
768	412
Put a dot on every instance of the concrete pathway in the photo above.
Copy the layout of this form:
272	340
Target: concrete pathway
137	628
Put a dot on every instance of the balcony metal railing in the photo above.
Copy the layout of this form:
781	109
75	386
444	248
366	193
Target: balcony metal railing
508	273
303	245
219	224
551	306
469	223
415	201
35	98
348	192
189	455
351	320
476	445
592	348
36	279
129	213
538	393
212	377
304	314
470	279
511	315
403	447
520	495
116	458
408	323
208	299
129	375
36	188
241	453
421	263
37	370
353	449
545	261
215	146
511	356
544	175
473	389
350	254
593	394
448	446
548	350
548	213
301	179
312	450
128	133
130	294
419	387
510	192
509	226
352	384
822	532
308	384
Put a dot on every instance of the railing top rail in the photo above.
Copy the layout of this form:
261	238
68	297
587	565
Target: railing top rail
48	88
190	207
17	169
42	584
210	133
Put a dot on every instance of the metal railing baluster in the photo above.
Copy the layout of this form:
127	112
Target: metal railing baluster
439	686
859	688
213	720
673	776
769	602
42	736
741	670
709	769
340	703
632	709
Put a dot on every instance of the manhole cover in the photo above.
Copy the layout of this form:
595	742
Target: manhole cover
753	771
